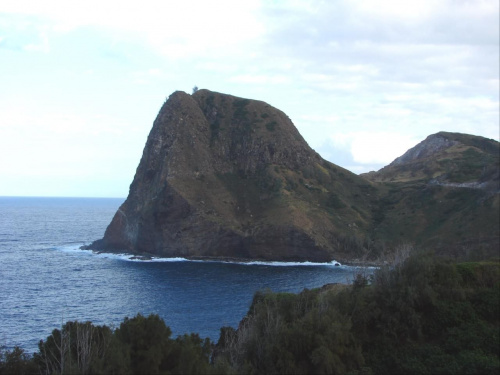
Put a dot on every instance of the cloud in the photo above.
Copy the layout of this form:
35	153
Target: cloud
42	142
380	33
260	79
410	67
175	29
394	9
151	76
42	46
379	148
372	148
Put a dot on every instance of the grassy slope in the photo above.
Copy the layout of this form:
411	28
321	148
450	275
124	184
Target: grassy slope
471	158
448	217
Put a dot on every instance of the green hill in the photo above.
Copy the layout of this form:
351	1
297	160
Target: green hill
443	193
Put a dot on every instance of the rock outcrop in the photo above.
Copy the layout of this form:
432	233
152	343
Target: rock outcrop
223	177
427	148
226	177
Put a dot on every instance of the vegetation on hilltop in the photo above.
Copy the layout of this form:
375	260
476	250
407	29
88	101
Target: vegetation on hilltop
420	316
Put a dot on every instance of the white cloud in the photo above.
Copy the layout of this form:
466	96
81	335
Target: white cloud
151	76
38	142
42	45
260	79
175	29
373	148
379	148
404	11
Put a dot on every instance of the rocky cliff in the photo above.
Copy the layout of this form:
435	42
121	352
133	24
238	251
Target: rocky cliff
227	177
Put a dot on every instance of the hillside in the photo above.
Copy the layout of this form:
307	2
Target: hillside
447	158
231	178
444	194
228	177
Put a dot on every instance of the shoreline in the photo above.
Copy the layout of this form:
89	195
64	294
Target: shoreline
235	260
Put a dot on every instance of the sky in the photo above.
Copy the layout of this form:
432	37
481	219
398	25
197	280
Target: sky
81	82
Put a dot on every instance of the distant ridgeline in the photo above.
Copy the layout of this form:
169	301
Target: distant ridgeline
226	177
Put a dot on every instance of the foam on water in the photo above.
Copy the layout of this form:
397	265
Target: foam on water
138	258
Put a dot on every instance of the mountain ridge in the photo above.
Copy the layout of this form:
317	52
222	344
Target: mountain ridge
446	158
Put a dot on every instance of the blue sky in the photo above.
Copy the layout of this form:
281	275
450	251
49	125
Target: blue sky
81	82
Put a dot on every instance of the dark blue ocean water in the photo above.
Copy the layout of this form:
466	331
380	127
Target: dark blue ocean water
45	279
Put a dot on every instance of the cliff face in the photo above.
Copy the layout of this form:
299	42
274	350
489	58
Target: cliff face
222	176
226	177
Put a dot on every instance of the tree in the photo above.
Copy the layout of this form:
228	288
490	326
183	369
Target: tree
147	340
189	355
16	361
195	88
77	348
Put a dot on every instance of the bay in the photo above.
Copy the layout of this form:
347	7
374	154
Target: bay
45	279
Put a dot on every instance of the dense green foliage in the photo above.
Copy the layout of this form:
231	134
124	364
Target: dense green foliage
425	316
141	345
421	316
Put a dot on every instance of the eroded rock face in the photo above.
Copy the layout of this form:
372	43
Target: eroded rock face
428	147
226	177
219	177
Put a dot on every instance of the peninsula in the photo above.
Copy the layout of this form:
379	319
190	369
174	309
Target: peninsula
222	177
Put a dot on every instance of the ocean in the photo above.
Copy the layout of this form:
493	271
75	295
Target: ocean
45	279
